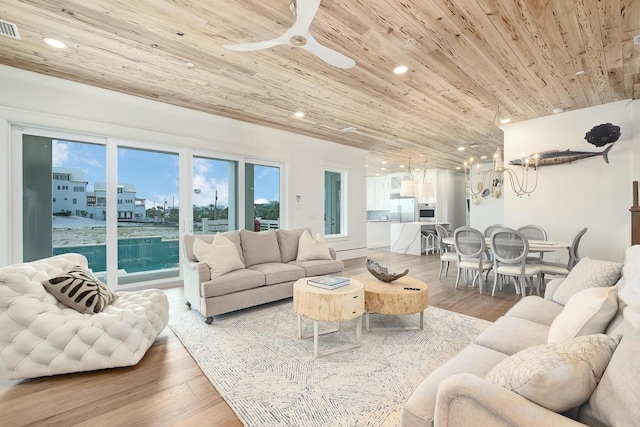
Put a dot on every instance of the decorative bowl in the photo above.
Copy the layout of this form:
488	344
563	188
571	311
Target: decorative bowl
381	273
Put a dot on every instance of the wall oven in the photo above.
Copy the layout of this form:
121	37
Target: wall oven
426	212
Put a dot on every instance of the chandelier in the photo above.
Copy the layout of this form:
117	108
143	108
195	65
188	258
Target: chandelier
493	180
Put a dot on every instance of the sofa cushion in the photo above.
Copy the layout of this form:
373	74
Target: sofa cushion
510	335
221	255
418	410
614	402
320	267
588	273
238	280
189	239
80	290
259	247
310	248
587	312
279	273
288	242
535	309
559	376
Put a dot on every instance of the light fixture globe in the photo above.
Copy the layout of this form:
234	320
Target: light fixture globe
407	187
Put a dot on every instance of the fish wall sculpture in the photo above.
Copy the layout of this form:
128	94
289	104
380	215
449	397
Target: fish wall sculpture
557	157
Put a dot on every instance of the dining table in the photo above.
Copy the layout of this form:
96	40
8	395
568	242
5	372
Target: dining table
534	245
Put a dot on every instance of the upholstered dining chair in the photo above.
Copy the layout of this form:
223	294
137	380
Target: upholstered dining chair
534	232
564	269
510	248
471	250
447	253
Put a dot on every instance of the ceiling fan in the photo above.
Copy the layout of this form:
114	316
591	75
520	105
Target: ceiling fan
299	36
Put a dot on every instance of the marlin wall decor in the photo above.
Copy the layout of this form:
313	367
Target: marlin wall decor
599	136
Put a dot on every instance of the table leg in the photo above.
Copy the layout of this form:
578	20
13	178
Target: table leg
299	326
315	338
422	319
367	320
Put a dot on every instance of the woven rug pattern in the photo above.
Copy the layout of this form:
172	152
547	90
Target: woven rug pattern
269	376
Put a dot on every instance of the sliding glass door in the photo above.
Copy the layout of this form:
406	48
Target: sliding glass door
262	196
215	201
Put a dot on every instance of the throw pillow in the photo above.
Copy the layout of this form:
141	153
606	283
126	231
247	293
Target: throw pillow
259	247
80	290
587	312
587	273
311	249
288	241
221	255
558	376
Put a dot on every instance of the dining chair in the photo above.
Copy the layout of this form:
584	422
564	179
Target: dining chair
447	253
534	232
491	228
564	269
470	249
510	248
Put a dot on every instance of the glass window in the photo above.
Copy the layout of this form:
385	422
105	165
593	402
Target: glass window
215	201
262	197
148	233
60	226
333	208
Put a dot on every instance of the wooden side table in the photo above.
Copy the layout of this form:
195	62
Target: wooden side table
322	305
406	295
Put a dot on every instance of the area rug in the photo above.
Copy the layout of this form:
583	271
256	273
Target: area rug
269	376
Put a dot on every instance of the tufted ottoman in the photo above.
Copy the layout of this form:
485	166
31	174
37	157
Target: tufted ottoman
40	336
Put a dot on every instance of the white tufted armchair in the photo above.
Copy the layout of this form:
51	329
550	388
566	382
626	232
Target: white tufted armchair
40	336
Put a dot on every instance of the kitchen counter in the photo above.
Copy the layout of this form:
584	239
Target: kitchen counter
406	237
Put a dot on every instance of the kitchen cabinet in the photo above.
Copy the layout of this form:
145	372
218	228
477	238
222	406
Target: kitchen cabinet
377	194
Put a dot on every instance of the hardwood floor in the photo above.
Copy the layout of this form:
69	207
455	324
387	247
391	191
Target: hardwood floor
167	388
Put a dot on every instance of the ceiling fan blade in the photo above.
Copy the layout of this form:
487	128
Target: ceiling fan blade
305	12
329	56
246	47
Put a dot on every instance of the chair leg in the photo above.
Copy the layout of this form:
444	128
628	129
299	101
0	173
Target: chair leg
495	284
440	271
480	280
458	278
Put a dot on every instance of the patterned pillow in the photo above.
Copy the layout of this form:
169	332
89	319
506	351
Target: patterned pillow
80	290
588	273
560	375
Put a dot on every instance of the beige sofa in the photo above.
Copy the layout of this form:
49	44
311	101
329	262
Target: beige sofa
270	270
458	393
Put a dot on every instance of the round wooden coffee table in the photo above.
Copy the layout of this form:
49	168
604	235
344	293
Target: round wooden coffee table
336	305
406	295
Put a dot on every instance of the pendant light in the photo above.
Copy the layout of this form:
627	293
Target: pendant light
425	187
407	185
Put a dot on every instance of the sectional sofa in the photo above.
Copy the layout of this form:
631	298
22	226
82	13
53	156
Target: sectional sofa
546	363
270	263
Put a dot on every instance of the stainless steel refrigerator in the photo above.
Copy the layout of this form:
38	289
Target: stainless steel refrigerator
402	209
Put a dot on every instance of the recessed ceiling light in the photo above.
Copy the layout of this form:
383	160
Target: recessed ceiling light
189	64
505	121
299	114
483	157
401	166
383	169
461	148
558	110
474	146
457	168
579	72
400	69
384	162
55	43
349	129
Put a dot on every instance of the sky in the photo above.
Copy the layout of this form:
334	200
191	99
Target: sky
155	174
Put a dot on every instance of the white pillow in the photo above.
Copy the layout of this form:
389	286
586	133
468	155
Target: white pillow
310	248
558	376
587	312
221	255
587	273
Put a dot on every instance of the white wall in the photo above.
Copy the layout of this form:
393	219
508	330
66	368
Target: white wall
42	101
588	193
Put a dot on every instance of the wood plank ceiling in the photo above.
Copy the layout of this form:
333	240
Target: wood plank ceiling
467	59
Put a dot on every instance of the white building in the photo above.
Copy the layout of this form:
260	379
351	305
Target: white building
69	191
